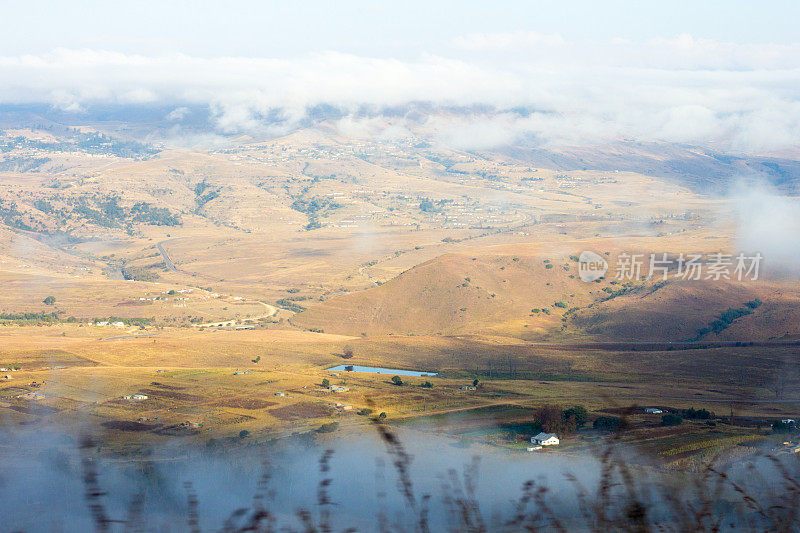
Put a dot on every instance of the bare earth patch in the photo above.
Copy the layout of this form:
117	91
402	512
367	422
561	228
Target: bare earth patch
244	403
301	410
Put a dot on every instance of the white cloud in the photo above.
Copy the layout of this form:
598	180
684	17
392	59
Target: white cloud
740	97
505	41
177	114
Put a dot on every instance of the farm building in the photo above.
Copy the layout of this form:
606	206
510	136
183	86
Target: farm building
137	397
653	410
545	439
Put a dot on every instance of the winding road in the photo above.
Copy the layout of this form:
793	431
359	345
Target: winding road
271	310
163	252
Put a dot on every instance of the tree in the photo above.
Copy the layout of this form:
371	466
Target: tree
427	206
427	385
701	414
475	382
243	434
577	414
397	381
549	416
382	416
50	300
348	352
326	383
671	419
609	423
782	427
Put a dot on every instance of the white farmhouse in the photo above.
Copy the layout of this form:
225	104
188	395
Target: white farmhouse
653	410
545	439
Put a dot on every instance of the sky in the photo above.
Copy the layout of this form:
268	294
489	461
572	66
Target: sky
376	28
725	73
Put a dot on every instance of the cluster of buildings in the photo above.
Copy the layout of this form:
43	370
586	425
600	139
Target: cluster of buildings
32	395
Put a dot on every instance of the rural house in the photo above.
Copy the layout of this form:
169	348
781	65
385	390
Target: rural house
545	439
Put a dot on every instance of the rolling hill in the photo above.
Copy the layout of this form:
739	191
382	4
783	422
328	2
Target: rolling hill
533	293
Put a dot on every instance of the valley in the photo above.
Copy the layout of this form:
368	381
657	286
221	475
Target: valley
218	284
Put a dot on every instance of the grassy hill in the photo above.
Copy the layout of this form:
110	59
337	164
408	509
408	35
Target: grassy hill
535	294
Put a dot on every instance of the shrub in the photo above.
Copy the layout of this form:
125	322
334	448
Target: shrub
781	427
671	419
608	423
50	300
326	382
330	427
752	304
397	381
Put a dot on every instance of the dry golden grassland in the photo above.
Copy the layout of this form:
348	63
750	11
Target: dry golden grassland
190	376
410	262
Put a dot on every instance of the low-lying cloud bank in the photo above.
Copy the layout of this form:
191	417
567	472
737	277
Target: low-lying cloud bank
730	96
768	222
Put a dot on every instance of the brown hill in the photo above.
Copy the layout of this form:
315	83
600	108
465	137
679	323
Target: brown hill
535	294
488	291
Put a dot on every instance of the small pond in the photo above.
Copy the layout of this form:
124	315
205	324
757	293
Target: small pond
379	370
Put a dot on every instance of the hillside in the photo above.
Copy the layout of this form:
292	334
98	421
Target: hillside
534	294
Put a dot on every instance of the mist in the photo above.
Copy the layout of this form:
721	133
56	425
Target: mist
42	482
52	480
767	222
